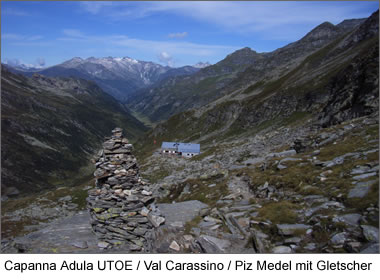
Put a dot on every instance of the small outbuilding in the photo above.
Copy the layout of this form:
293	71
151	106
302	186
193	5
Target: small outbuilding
181	149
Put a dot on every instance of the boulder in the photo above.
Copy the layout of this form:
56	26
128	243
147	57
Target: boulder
212	244
350	219
291	229
361	189
339	238
281	250
370	233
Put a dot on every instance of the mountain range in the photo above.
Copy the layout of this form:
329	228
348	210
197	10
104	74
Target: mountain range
236	72
118	76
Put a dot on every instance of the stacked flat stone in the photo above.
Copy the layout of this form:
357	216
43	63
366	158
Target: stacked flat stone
121	206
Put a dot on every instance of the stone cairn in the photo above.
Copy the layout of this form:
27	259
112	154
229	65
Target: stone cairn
121	205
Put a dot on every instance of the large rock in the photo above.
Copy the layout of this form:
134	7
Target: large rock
361	189
281	250
291	229
212	244
371	249
350	219
370	233
327	205
339	238
156	220
359	170
181	211
364	176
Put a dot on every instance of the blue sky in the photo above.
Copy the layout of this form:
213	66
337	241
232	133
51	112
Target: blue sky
169	33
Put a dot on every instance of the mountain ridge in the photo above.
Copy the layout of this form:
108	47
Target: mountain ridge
238	69
119	76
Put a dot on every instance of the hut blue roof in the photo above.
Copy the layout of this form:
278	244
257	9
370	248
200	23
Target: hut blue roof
182	147
189	148
169	145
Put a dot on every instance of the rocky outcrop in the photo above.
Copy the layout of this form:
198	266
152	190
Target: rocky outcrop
354	91
121	206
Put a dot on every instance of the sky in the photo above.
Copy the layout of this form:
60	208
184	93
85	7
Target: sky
174	33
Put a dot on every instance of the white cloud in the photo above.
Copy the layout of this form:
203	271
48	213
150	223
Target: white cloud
34	38
173	48
40	63
32	44
166	58
72	32
254	15
178	35
14	12
235	16
12	61
94	7
20	37
25	40
11	36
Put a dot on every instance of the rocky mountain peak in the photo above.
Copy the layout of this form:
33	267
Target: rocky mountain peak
246	51
75	61
243	56
323	31
77	58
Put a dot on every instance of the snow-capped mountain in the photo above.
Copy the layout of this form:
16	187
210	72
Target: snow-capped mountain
119	76
123	67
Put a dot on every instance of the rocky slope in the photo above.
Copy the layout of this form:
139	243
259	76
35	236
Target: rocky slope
290	188
118	76
50	129
289	163
237	71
